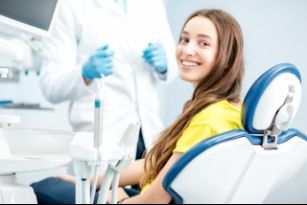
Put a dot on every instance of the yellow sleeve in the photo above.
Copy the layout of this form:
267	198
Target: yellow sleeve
193	135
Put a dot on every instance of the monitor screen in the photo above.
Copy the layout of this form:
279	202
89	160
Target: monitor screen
35	16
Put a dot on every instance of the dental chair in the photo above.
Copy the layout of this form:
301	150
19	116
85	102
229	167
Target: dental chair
246	166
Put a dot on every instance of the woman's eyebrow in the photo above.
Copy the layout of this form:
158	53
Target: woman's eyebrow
199	35
204	36
185	32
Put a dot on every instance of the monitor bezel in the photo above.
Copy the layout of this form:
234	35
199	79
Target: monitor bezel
29	28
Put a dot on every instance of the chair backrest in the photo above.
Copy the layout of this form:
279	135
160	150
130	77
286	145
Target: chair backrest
245	166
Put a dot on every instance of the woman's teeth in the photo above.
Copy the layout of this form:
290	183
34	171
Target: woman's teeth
189	64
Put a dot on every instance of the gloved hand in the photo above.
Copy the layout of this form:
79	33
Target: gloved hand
155	55
99	64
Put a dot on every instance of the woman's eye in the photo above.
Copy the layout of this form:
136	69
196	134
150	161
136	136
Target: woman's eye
204	43
184	41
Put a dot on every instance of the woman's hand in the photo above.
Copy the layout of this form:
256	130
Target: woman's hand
121	194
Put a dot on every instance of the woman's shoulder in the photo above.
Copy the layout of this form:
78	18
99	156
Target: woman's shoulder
217	111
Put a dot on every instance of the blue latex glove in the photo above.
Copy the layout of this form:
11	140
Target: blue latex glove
155	55
99	64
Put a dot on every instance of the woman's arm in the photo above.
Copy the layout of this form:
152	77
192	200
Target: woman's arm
156	193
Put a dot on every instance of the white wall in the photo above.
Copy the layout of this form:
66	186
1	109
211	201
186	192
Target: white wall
274	32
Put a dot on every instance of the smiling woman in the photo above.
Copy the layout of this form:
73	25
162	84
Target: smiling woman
205	40
197	49
210	56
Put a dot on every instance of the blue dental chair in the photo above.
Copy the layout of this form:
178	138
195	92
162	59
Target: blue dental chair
246	166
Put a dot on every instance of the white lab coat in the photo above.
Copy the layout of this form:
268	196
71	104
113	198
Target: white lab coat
131	92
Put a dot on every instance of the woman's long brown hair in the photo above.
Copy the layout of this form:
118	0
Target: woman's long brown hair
223	82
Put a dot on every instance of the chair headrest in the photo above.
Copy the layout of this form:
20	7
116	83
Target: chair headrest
272	100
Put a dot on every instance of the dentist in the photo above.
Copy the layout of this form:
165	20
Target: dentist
129	42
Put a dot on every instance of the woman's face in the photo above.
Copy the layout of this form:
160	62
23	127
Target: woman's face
197	49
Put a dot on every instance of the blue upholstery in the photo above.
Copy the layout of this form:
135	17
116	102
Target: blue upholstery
256	91
250	104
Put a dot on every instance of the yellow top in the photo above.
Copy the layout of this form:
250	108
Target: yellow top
215	119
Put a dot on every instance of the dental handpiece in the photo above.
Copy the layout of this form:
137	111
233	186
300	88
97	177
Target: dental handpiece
98	137
98	119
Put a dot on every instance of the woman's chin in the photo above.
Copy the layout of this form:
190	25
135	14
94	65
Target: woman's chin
187	78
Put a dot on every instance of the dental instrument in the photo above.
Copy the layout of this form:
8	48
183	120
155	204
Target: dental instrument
98	137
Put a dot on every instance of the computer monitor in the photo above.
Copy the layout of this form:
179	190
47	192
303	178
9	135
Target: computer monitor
34	16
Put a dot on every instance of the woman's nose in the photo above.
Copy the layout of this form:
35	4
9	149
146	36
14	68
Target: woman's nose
189	49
